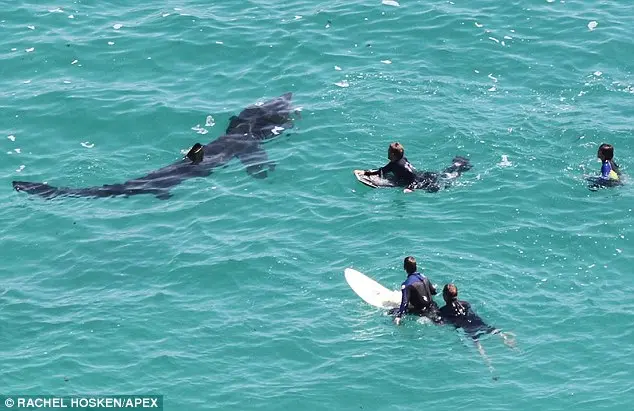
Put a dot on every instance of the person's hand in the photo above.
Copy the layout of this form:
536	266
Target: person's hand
397	320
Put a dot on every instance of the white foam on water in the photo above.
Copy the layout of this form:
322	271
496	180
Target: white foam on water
87	144
342	83
17	150
11	137
210	122
30	49
117	26
386	61
111	43
337	68
70	16
478	24
505	161
392	3
592	25
31	27
20	168
74	62
198	129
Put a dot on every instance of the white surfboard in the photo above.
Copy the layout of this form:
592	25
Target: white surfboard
374	181
370	291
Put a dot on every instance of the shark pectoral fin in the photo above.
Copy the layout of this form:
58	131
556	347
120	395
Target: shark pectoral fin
196	153
257	171
256	160
163	194
234	122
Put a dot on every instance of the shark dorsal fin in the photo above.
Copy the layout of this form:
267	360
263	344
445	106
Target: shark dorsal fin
196	153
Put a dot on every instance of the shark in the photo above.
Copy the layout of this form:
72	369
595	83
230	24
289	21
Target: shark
243	140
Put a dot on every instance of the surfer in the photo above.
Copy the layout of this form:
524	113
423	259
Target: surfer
610	173
461	315
416	290
401	172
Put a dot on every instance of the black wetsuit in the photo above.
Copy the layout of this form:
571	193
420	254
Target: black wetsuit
417	291
461	315
404	173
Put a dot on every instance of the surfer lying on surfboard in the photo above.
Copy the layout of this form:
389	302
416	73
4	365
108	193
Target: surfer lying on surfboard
400	172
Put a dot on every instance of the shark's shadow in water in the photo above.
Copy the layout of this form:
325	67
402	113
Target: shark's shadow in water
242	140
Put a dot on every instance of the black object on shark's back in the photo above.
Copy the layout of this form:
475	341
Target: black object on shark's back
242	140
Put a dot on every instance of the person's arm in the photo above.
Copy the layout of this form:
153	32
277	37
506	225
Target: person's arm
615	167
381	171
404	304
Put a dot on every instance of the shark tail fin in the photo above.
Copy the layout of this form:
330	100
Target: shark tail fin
41	189
110	190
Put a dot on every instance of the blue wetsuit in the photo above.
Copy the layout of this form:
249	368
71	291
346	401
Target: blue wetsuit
609	171
418	291
461	315
610	176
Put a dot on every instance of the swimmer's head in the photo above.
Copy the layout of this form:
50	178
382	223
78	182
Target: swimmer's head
450	293
606	152
395	152
409	265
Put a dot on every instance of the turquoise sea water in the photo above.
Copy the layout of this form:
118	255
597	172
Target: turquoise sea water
230	295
